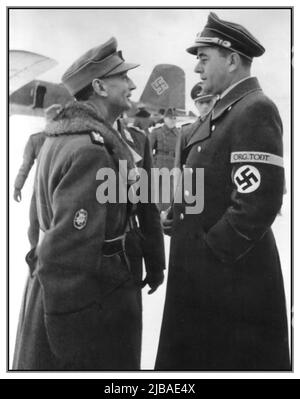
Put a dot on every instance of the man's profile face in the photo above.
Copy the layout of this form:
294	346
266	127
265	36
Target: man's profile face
144	121
170	121
213	69
118	88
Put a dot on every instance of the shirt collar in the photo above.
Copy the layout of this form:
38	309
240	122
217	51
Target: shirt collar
240	90
232	86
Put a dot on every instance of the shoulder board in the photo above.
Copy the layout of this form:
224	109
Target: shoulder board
96	138
156	127
185	127
137	129
38	134
187	124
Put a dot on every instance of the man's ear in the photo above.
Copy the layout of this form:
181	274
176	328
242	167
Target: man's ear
234	61
99	87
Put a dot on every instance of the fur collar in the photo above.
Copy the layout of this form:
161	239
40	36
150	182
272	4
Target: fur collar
82	118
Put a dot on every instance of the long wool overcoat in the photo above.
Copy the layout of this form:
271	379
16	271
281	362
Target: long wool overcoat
81	308
225	302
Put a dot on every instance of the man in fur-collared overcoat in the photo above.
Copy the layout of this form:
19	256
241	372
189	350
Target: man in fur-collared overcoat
80	309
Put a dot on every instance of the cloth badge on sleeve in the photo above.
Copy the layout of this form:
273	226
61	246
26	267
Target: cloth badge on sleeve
256	156
247	179
97	138
80	219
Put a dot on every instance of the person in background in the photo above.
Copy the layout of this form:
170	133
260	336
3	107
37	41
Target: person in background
142	120
204	102
163	142
31	152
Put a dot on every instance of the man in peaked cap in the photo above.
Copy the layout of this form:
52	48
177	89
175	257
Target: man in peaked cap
204	101
81	308
225	302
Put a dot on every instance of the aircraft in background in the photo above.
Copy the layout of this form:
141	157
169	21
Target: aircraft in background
24	67
164	89
36	96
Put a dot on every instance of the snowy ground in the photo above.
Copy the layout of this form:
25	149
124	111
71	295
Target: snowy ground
20	129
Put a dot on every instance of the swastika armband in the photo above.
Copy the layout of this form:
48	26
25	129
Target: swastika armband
256	156
247	179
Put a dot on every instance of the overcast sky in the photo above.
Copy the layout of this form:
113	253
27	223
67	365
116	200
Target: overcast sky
151	37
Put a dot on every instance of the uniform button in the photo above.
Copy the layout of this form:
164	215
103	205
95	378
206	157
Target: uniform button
181	216
186	193
229	109
199	148
213	128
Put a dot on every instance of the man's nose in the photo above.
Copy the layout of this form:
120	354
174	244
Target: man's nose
132	86
198	68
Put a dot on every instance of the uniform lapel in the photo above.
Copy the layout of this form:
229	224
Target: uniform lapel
202	130
199	132
241	90
175	131
127	137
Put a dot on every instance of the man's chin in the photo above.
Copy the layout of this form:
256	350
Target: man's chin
129	104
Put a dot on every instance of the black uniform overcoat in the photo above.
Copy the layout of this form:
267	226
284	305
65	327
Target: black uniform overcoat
225	303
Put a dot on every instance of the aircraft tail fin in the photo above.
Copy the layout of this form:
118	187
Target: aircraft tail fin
165	88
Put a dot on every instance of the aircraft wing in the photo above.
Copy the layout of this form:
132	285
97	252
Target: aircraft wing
24	66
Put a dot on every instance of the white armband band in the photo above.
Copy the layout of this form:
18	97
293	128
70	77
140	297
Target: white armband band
256	156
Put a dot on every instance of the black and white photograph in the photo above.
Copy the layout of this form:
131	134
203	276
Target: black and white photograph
150	189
